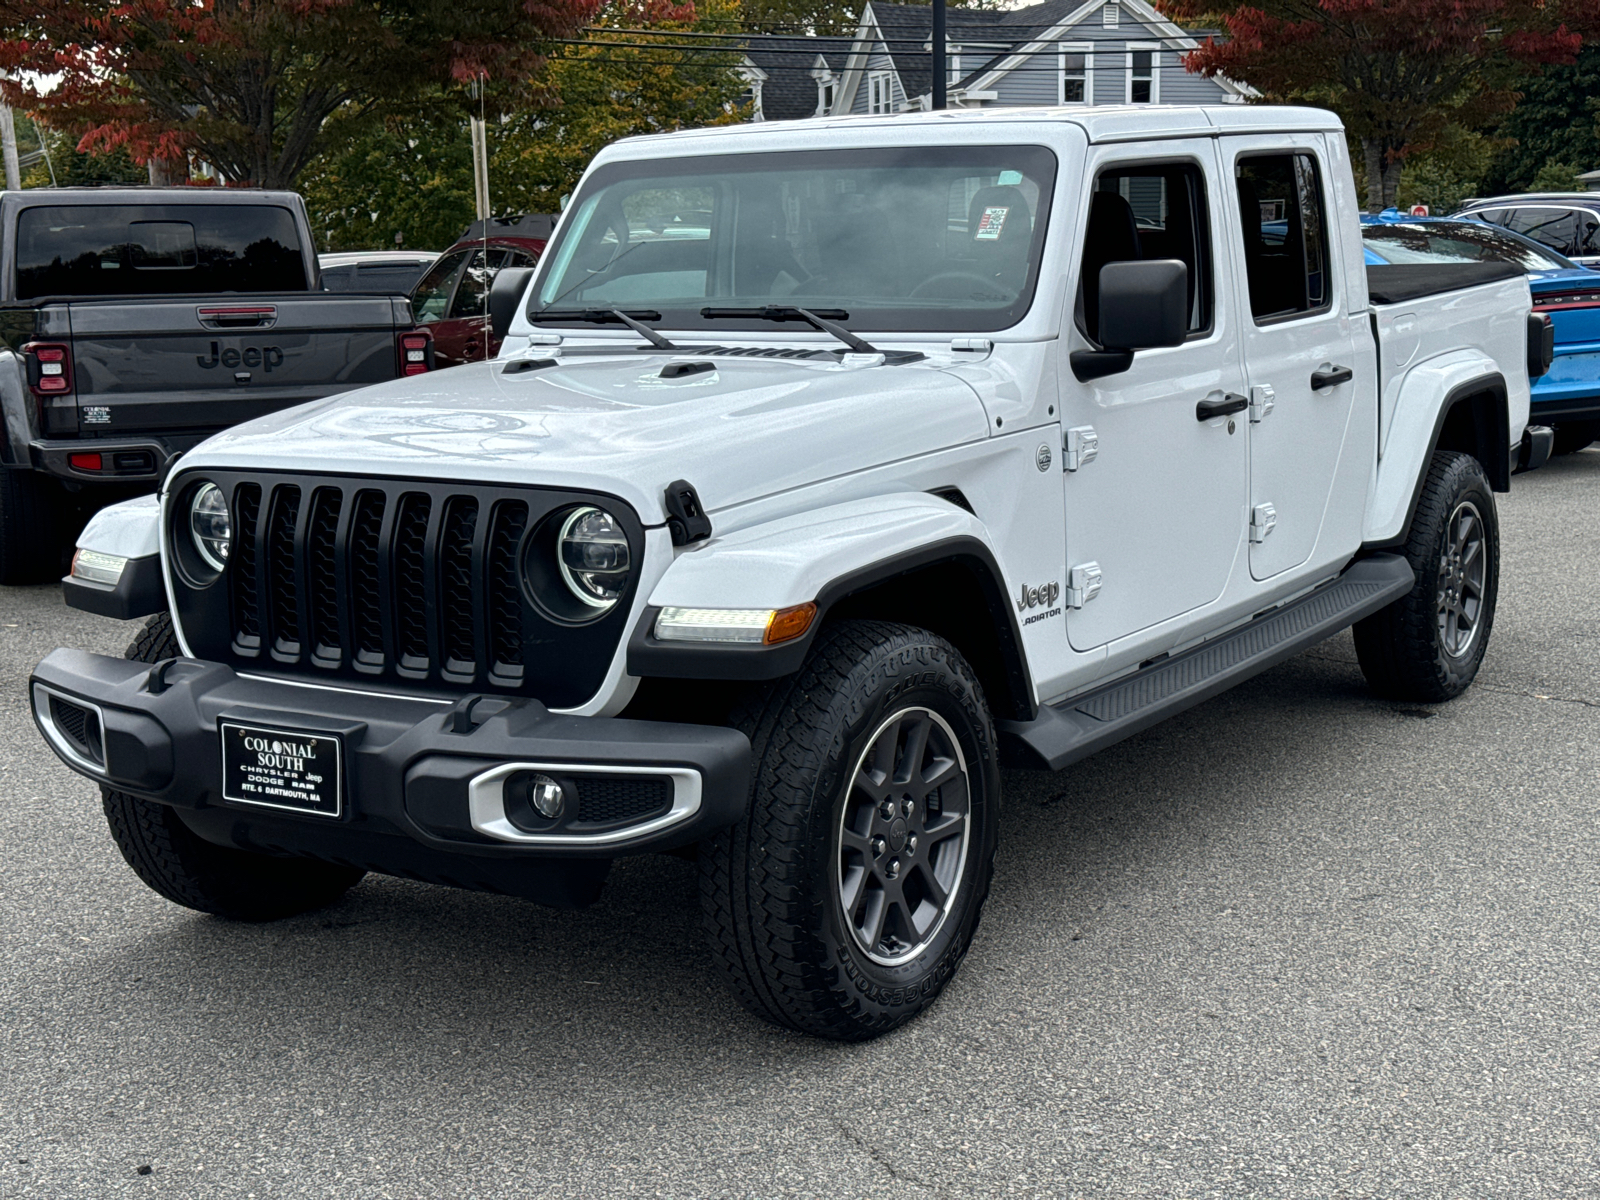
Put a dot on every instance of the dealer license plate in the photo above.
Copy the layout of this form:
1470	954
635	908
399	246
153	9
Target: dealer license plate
282	768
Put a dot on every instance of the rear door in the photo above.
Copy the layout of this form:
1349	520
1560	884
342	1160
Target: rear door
1299	347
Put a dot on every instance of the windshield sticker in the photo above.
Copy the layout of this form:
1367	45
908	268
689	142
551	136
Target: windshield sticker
990	224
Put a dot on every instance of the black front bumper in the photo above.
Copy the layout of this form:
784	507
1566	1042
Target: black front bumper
415	799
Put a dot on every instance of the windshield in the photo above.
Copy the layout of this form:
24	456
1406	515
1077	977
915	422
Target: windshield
924	238
1458	242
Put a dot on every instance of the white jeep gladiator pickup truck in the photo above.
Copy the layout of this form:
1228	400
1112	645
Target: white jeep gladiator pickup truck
826	466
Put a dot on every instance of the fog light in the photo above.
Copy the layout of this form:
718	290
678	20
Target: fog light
547	797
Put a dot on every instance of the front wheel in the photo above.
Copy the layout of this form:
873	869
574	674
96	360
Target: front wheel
845	900
1427	646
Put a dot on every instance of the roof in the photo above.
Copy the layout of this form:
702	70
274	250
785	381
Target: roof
789	91
1107	123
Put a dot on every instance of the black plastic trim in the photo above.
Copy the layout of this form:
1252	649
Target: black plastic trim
163	745
140	591
648	657
1537	443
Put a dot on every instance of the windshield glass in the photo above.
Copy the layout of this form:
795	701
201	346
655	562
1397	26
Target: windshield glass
924	238
1458	242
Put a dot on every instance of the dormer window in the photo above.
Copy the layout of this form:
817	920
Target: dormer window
824	98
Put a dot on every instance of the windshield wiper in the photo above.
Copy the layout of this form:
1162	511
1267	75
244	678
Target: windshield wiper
790	312
610	316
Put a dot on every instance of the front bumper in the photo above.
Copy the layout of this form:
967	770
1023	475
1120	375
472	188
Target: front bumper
422	781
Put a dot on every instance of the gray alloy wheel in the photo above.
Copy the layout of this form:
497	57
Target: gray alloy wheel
903	836
1462	574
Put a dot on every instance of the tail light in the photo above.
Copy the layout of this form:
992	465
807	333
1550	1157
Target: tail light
1565	301
415	352
49	368
1541	345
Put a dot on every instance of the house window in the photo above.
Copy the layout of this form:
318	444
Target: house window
880	95
1111	15
1077	74
1144	77
824	99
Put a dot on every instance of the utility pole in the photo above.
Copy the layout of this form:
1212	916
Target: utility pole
940	71
8	143
480	165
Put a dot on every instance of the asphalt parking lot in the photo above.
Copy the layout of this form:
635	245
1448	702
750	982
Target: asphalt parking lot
1297	942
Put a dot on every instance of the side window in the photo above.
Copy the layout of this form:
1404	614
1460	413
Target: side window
1285	233
1587	234
1147	211
1554	227
472	297
432	293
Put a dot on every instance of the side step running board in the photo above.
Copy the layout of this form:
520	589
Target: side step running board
1077	727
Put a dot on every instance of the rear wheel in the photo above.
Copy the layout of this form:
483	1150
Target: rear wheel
188	870
1428	645
845	900
31	509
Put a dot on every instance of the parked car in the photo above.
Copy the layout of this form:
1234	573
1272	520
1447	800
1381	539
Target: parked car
387	272
136	322
962	433
1567	222
1567	396
451	300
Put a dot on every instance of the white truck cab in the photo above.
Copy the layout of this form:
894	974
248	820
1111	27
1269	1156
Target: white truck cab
824	465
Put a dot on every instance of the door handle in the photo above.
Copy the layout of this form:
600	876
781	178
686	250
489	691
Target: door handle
1225	407
1332	377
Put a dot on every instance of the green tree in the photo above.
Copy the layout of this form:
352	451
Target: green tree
408	177
1556	176
71	167
1554	119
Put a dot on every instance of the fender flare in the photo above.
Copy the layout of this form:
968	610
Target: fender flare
1433	392
828	556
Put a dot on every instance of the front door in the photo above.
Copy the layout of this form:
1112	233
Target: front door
1298	344
1159	511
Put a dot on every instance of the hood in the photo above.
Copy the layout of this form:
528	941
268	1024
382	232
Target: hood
749	428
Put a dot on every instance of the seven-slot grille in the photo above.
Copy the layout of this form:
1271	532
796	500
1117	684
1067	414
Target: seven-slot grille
412	582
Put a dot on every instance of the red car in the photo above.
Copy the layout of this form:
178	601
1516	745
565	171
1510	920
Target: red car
452	299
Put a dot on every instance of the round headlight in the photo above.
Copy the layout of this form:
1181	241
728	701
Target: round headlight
210	525
592	552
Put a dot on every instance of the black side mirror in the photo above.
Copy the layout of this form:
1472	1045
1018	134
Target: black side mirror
504	293
1144	304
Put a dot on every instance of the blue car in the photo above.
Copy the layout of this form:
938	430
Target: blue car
1567	396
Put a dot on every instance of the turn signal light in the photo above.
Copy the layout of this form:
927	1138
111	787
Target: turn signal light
747	626
416	352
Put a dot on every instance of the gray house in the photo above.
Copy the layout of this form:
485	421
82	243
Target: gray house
1061	52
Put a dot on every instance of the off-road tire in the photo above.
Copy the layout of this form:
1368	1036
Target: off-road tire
1574	436
1401	648
188	870
770	886
30	528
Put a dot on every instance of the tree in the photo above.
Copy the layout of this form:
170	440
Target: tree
1556	176
250	85
1554	119
408	176
68	167
1401	73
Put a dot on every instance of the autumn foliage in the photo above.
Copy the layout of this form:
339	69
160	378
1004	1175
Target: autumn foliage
1399	72
257	87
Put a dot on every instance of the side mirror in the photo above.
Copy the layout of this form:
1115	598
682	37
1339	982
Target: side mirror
1144	304
504	293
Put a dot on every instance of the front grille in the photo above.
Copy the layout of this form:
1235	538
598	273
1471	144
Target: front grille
615	800
413	582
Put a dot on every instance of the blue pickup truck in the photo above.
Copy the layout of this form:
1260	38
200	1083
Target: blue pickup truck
1567	396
